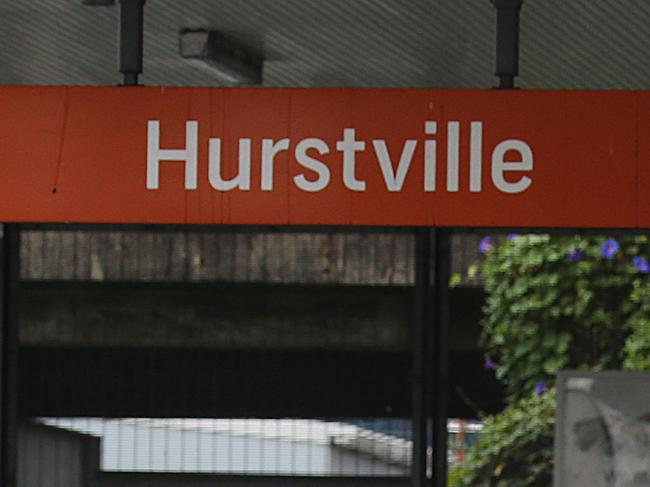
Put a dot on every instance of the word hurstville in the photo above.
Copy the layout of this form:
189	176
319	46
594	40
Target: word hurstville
317	175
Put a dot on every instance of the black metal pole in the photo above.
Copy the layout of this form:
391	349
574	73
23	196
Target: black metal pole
9	356
442	266
421	359
507	45
131	40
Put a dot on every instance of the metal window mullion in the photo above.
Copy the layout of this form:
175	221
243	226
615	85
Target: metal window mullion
421	357
440	382
9	356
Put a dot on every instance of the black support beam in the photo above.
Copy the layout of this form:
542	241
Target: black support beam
421	357
85	342
131	40
507	42
206	480
9	355
144	382
441	355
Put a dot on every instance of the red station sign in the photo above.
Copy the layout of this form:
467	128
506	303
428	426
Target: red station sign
389	157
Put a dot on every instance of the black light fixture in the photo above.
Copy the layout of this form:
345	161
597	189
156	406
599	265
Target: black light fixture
229	60
99	3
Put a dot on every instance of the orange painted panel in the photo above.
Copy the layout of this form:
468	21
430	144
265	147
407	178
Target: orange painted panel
643	180
584	159
567	159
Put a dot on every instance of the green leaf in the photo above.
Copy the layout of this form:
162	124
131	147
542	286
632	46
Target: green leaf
455	280
552	365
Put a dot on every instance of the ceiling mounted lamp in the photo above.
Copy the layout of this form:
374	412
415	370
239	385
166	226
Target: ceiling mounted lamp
229	60
98	3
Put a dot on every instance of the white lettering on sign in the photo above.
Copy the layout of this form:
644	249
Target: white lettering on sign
243	179
394	179
315	165
270	149
349	146
190	154
430	148
308	154
499	166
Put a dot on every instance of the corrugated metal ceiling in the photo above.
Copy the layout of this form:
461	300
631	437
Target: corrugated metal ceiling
414	43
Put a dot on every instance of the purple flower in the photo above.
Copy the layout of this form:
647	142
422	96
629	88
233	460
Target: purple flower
576	255
485	245
609	249
541	388
489	363
641	265
513	236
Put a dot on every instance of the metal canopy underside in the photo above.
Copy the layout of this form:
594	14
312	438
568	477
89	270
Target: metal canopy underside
375	43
